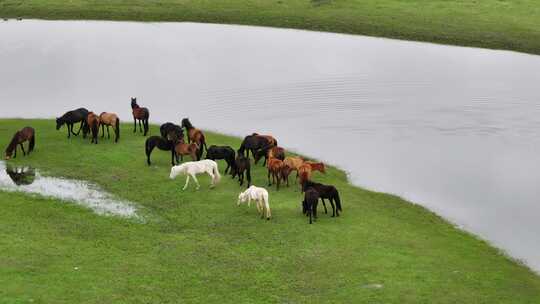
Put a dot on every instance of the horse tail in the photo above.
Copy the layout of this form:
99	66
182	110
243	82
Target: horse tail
338	201
32	143
117	129
217	176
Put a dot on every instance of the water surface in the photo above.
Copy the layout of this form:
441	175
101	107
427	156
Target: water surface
454	129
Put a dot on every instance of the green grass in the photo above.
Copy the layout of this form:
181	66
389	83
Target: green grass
498	24
198	246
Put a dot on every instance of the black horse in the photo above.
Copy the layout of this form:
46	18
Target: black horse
253	143
70	118
241	164
326	191
222	152
309	204
162	144
174	131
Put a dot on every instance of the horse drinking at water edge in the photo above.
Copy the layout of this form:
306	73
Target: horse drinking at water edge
25	134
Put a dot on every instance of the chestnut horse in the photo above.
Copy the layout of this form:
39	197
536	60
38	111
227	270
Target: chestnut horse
195	135
294	162
275	166
140	114
25	134
181	149
306	169
110	119
269	151
91	126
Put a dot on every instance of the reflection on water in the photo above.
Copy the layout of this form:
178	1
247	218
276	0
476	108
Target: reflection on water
28	180
21	175
454	129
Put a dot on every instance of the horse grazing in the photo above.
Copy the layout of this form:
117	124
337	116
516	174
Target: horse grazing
260	196
255	142
92	126
172	131
294	162
306	169
25	134
274	168
182	149
269	151
140	114
191	169
195	135
161	143
70	118
326	191
309	204
112	120
222	152
241	165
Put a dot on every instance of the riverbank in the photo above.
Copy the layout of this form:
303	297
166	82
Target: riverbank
488	24
198	246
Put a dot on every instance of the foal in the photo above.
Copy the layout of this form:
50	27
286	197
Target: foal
294	162
92	125
309	204
269	151
275	166
241	165
110	119
260	195
140	114
25	134
195	135
182	149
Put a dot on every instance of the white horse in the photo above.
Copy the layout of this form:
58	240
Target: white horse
191	169
260	195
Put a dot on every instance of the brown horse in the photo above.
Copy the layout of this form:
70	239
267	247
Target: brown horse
274	151
181	149
306	169
294	162
272	141
195	135
275	166
92	126
25	134
110	119
140	114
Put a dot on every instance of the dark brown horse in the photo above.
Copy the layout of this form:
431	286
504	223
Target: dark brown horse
92	126
25	134
195	135
255	142
140	114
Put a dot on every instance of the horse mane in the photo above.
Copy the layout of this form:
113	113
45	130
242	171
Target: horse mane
187	123
13	143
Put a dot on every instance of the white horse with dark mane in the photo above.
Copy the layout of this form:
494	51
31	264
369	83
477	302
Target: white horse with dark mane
258	194
191	169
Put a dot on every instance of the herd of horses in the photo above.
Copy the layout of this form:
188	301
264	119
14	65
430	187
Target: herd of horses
171	139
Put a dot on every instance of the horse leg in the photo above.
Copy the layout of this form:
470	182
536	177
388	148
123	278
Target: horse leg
108	134
197	182
69	131
324	205
102	130
80	128
22	148
173	154
140	128
134	124
212	176
334	208
187	182
241	178
269	183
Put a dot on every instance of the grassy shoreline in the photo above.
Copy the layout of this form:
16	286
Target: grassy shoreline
201	247
488	24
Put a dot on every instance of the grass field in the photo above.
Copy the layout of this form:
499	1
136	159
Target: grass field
498	24
198	246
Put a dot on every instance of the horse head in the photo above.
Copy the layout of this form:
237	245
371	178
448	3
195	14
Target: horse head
59	123
186	123
134	103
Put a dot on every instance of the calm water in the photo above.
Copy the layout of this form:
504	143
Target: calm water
454	129
28	180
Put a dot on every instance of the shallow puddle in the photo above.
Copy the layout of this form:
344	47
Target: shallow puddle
29	180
